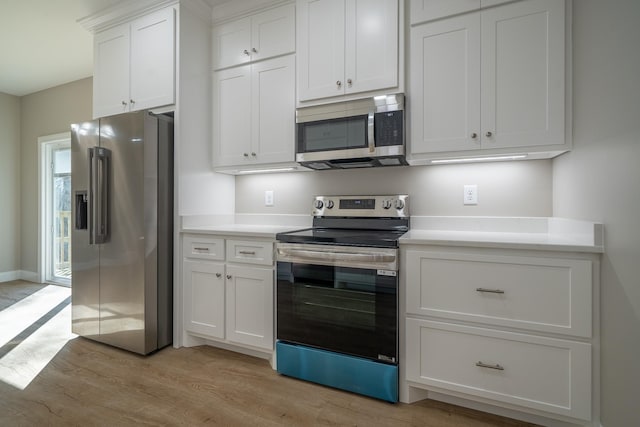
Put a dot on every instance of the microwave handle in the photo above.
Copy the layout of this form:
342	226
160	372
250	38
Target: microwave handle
371	133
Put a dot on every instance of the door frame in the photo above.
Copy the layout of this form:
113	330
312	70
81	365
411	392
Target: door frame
43	199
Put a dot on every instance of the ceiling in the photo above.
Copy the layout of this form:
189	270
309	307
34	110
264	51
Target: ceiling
43	44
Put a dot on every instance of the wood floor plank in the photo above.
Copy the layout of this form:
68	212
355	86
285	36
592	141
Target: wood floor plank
92	384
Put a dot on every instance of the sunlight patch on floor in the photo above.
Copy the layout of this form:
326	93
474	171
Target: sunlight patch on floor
28	355
22	314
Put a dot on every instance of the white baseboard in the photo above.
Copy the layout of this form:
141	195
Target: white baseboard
30	276
8	276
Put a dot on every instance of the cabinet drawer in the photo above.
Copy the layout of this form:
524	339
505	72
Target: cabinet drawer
542	294
547	374
250	252
203	247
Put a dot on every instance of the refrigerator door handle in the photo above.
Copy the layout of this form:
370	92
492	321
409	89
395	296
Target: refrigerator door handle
99	167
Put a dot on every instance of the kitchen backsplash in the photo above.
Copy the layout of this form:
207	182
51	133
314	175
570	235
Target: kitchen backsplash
504	188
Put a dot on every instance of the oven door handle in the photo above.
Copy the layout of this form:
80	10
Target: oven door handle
336	256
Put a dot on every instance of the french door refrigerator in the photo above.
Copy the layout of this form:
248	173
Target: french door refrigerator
122	230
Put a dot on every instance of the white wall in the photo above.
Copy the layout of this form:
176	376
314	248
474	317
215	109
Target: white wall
9	186
504	189
42	113
600	180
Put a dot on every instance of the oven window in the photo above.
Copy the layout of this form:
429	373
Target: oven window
334	134
348	310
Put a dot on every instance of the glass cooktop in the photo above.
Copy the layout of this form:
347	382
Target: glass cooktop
347	237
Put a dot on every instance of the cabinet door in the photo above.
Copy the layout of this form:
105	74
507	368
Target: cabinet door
273	33
320	50
204	299
231	43
111	72
523	78
232	116
273	110
250	306
153	60
429	10
445	85
371	45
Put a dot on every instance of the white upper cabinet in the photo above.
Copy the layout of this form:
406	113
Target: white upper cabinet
346	46
490	81
254	114
430	10
261	36
134	65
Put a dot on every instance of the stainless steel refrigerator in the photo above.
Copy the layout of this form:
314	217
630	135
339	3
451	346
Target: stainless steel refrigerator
122	230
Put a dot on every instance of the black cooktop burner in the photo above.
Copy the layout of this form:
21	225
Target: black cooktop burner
347	237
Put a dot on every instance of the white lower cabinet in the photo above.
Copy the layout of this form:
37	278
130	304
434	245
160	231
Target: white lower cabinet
229	301
552	375
510	328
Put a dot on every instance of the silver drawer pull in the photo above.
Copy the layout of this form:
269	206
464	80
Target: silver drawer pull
484	365
491	291
201	249
247	252
218	275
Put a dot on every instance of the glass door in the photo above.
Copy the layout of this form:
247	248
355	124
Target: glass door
57	202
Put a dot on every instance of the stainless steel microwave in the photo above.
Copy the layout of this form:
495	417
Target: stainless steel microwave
352	134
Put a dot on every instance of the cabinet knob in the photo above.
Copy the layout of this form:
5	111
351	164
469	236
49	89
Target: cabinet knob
339	83
474	135
488	134
246	52
218	275
349	82
124	103
229	276
254	50
253	154
246	154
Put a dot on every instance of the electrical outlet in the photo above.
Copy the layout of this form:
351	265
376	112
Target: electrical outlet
470	194
268	198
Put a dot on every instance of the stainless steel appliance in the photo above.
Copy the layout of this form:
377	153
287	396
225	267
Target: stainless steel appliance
337	295
352	134
122	228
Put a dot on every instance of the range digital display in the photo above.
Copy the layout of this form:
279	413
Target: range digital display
357	203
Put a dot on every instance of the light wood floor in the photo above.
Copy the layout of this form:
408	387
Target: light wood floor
88	383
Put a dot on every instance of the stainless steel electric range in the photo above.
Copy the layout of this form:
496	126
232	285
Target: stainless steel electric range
337	295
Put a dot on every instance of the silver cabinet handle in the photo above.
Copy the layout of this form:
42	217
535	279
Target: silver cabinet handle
484	365
246	154
253	154
474	135
339	83
201	249
218	275
247	252
229	276
490	291
488	134
132	101
349	82
254	50
246	52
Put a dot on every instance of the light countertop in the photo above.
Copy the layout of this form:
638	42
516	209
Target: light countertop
536	233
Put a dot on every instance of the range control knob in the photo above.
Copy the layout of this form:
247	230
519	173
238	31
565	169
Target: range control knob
399	204
318	204
329	204
386	204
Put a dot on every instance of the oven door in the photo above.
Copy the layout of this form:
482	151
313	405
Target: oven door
324	303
